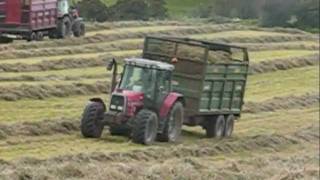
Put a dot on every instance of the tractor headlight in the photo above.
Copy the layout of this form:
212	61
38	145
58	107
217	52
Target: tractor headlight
120	108
117	103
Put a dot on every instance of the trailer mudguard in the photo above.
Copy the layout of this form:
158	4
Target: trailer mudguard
168	103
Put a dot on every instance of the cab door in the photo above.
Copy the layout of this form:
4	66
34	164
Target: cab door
13	11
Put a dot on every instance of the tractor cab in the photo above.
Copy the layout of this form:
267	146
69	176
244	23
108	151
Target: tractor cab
150	78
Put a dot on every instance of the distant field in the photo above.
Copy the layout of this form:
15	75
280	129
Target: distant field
176	8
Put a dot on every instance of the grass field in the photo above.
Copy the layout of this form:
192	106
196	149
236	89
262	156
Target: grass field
44	87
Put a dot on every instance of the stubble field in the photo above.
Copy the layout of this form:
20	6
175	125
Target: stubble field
45	85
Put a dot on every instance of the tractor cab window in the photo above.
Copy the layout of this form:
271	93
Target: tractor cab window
139	79
63	7
25	4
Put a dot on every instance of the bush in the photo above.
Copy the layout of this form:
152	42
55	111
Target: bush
95	10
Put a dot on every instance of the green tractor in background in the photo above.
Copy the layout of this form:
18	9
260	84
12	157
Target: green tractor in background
69	21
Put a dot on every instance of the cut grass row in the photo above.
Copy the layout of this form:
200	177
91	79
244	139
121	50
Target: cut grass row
130	45
264	124
260	87
229	32
100	71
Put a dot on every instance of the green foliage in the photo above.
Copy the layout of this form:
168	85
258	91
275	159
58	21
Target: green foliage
93	10
291	13
97	10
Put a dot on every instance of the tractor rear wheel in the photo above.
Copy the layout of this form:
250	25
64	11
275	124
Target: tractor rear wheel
91	122
64	28
120	130
228	129
215	127
145	127
173	124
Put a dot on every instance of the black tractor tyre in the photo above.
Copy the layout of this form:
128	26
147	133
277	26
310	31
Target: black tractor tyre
120	130
5	40
173	124
91	122
228	129
145	127
32	37
215	127
39	36
64	28
78	29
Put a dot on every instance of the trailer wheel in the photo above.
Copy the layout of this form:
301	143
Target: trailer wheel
215	128
145	127
229	126
32	37
5	40
173	124
120	130
91	122
39	36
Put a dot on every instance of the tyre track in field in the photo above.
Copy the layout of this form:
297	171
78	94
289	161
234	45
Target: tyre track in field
62	165
63	126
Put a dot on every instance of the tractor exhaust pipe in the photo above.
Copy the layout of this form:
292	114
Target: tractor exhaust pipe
113	65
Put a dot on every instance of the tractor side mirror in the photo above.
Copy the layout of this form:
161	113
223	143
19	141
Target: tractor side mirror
111	64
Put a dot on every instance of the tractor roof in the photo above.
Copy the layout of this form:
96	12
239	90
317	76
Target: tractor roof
149	63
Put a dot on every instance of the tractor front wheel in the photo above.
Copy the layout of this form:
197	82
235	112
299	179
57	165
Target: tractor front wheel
91	122
145	127
173	124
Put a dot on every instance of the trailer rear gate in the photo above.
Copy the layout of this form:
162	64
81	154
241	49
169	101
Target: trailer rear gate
211	82
27	15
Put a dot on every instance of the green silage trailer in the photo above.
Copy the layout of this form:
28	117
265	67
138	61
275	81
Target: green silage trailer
211	76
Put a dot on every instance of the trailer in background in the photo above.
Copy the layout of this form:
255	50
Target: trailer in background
34	19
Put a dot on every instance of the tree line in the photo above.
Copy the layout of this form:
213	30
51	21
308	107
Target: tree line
269	13
96	10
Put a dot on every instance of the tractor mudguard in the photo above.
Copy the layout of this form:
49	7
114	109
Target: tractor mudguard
99	100
168	103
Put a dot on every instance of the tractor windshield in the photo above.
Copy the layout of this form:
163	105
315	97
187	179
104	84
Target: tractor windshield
139	79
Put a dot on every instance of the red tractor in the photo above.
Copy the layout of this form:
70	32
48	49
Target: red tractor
34	19
177	82
142	105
